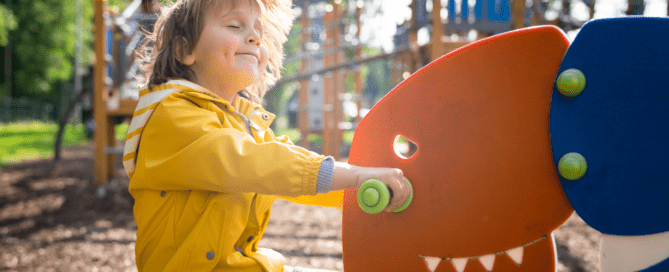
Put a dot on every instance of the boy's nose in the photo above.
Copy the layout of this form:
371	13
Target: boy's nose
254	38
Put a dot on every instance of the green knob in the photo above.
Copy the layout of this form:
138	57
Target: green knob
572	166
370	197
571	82
374	196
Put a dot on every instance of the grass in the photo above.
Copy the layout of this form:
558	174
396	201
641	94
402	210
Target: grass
34	140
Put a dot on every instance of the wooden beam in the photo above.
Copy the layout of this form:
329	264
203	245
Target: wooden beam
100	93
327	88
338	85
303	110
111	142
518	13
338	66
358	87
413	40
437	31
126	107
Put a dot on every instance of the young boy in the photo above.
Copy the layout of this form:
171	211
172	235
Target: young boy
208	167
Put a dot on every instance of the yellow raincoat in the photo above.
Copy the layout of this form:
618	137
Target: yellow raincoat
204	182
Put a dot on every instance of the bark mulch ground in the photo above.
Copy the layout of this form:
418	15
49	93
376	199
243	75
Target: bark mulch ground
51	219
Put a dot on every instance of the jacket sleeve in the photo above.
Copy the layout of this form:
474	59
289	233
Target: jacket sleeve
332	199
185	147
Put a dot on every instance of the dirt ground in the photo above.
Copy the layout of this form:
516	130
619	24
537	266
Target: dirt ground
51	219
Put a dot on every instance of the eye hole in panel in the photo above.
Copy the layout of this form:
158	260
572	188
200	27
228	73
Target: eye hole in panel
404	148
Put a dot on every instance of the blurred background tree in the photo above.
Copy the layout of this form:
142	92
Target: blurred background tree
43	45
7	23
42	34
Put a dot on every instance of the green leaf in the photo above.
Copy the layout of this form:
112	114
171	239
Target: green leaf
7	23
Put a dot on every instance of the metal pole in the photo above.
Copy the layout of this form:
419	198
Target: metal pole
338	66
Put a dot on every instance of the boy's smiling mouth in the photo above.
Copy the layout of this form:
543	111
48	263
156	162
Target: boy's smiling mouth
255	56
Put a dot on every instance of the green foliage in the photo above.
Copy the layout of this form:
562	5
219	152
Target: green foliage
315	139
348	136
117	4
43	44
292	133
7	23
121	131
34	140
277	99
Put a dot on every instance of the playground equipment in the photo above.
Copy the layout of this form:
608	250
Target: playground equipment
374	196
321	94
321	77
617	124
485	17
322	74
484	194
109	104
493	177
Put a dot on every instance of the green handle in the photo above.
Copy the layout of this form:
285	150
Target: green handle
374	196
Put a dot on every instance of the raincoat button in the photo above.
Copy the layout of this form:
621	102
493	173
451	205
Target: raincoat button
162	194
210	255
250	239
265	116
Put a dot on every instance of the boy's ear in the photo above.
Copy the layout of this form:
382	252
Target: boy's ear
181	54
189	59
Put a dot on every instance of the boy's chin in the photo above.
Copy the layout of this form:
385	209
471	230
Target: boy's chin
247	78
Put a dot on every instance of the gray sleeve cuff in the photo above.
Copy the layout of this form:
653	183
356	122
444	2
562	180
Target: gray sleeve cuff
325	175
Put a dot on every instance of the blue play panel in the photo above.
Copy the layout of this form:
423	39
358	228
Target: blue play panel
619	123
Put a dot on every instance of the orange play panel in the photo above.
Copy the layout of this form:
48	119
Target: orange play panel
483	174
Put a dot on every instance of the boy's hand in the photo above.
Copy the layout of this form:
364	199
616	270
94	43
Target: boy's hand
350	176
391	177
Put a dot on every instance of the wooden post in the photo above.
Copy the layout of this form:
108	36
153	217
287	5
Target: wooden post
357	77
394	70
100	93
635	7
591	6
327	88
518	13
534	20
303	108
413	40
437	31
111	142
338	84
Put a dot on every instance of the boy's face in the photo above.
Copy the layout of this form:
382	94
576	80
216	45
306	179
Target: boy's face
228	55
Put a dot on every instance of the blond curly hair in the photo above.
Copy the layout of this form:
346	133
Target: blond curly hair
178	30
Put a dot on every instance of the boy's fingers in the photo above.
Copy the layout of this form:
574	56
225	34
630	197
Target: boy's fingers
405	192
399	196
